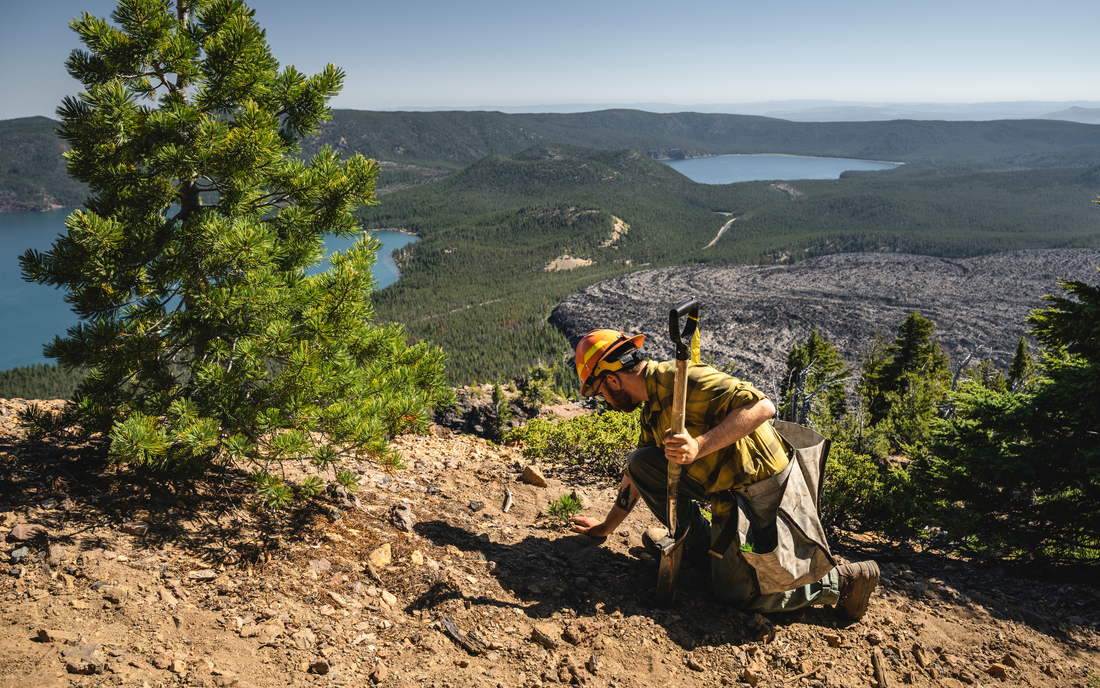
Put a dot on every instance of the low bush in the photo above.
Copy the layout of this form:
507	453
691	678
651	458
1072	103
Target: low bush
879	496
601	441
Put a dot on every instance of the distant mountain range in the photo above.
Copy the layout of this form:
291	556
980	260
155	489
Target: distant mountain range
1086	112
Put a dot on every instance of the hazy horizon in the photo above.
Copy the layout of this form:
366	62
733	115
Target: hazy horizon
426	54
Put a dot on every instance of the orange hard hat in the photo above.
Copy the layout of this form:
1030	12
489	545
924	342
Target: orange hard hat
600	352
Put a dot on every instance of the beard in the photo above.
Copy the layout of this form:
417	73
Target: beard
620	400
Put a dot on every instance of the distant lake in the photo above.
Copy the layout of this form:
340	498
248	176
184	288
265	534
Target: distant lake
31	314
727	169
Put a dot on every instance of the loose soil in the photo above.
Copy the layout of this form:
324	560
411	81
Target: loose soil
191	583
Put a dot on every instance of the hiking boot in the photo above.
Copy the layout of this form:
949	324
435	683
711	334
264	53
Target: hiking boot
857	581
697	554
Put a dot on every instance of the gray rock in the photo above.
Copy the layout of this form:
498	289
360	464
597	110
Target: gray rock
304	639
83	659
401	516
53	636
203	575
135	528
754	314
20	554
26	531
56	554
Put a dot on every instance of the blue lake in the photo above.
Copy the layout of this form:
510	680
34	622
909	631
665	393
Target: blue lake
32	314
727	169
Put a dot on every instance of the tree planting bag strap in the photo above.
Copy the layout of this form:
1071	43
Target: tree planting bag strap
778	516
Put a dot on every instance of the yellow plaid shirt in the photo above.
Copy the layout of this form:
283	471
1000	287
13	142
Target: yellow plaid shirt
711	396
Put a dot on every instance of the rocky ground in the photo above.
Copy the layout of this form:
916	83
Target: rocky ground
754	314
421	578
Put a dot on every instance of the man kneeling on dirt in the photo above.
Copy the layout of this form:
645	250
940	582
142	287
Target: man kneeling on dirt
728	444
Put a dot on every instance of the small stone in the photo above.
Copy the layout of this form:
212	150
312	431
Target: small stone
581	498
997	671
533	476
135	528
833	640
167	598
203	575
874	638
477	506
115	593
401	516
83	659
56	554
320	666
179	666
381	557
304	639
416	558
694	664
319	565
163	661
52	636
269	632
380	672
463	662
752	676
20	554
1009	661
26	531
338	599
389	598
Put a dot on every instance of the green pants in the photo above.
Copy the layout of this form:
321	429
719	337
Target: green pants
733	579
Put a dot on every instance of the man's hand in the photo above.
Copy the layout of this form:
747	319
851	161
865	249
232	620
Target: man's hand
591	527
682	449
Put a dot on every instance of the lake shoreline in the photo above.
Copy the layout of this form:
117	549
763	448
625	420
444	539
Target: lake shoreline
776	155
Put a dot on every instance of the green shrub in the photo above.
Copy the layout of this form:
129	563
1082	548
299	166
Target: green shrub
879	496
602	441
564	508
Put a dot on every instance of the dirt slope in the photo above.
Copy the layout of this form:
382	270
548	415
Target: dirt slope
218	592
753	314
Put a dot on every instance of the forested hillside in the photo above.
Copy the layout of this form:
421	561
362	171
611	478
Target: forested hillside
459	138
32	171
477	283
423	144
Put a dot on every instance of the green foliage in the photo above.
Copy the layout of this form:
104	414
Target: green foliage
564	508
1022	373
1016	474
539	386
903	384
39	381
602	441
502	411
32	169
205	339
813	390
880	497
476	283
747	547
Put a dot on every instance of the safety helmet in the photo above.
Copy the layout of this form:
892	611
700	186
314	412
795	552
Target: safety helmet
605	351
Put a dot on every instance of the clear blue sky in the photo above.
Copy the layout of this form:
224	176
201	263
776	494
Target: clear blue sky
426	53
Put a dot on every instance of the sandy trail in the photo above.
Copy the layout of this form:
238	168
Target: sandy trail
720	233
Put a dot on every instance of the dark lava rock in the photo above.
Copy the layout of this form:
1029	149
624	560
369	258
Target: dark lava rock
754	314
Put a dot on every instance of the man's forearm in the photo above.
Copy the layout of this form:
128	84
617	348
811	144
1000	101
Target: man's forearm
737	425
624	503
